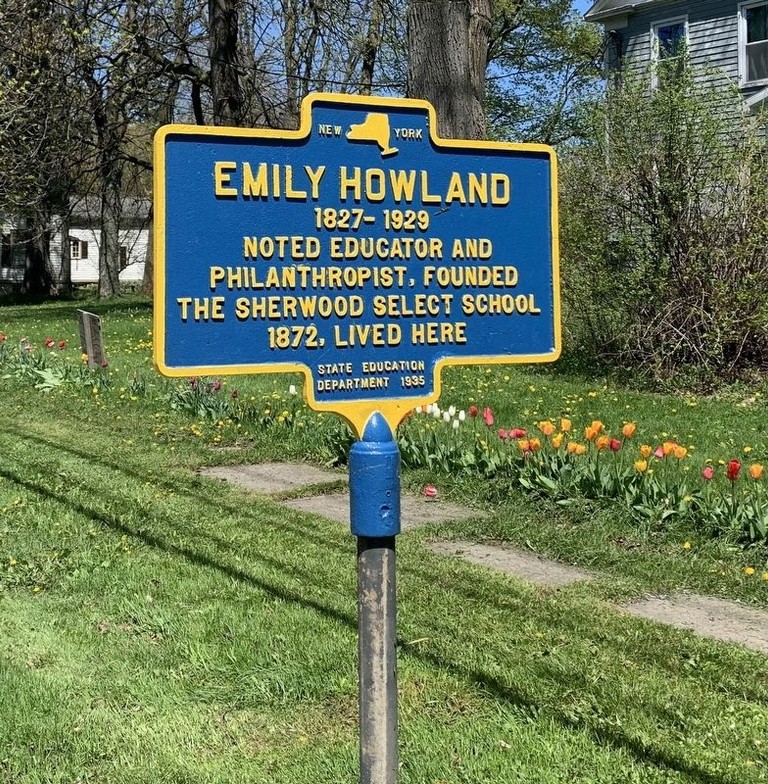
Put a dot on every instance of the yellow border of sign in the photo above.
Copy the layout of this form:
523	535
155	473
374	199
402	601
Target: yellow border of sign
356	413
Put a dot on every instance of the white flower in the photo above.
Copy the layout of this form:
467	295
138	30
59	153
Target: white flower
436	411
462	416
452	411
456	424
446	416
292	389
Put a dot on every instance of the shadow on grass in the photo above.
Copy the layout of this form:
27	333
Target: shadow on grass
65	308
495	688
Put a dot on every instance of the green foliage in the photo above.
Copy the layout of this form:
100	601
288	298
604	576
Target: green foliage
665	231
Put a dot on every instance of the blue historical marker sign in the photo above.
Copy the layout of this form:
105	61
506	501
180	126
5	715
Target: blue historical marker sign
360	250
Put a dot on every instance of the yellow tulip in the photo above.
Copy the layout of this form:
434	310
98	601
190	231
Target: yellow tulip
641	466
557	440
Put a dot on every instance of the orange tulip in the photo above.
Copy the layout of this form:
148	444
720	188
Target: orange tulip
565	425
590	433
557	440
547	428
602	443
646	451
598	426
534	444
680	452
756	471
524	445
628	430
668	447
581	449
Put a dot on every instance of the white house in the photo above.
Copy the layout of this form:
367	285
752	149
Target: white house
729	36
84	240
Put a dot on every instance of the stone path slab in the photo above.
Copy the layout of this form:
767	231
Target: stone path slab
707	616
269	478
519	563
414	510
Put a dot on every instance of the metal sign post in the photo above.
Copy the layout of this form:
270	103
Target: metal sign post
374	484
367	254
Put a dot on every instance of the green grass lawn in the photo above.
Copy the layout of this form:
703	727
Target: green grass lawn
157	626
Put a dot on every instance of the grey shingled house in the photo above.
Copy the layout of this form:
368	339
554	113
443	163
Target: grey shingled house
726	36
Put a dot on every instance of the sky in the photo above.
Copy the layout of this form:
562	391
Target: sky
582	5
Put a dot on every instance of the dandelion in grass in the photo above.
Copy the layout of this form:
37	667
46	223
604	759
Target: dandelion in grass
749	570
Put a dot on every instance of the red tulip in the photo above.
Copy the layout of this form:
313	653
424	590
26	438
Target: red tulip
50	342
472	411
62	345
615	445
733	470
430	491
518	432
488	417
503	434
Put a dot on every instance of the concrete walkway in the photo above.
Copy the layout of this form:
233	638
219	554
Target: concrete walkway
708	616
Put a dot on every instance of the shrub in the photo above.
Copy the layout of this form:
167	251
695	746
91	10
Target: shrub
665	231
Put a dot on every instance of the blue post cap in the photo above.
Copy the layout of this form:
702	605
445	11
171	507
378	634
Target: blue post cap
374	481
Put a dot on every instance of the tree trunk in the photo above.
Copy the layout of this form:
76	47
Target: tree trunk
65	271
148	281
222	50
38	278
371	46
109	247
447	59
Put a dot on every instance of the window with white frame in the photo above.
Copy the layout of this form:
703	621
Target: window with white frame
669	42
753	42
78	249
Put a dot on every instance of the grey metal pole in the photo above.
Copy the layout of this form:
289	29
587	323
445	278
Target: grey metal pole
377	659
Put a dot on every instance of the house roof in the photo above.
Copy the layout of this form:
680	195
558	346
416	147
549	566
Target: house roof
603	9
